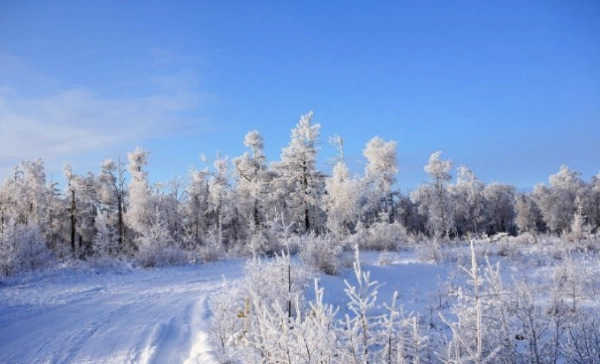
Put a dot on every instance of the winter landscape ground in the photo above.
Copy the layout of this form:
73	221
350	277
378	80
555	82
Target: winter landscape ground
71	315
230	311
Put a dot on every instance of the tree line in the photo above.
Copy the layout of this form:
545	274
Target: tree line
248	203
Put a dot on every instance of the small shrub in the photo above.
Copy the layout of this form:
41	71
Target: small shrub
381	236
321	254
429	250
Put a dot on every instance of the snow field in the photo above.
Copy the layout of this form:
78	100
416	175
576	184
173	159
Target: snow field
527	303
169	315
141	316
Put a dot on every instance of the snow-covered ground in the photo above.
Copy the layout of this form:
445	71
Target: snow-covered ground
156	315
137	316
75	315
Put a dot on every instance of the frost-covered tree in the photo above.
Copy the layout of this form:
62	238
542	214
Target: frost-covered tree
155	245
111	193
469	215
342	197
528	217
171	203
380	175
56	228
196	207
299	182
592	203
82	211
12	198
140	207
557	203
24	196
219	198
342	200
500	207
35	191
434	198
251	176
105	242
22	247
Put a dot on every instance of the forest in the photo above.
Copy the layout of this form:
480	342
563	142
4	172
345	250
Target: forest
249	206
477	273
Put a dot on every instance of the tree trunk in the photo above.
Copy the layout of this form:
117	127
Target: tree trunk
120	215
73	207
305	185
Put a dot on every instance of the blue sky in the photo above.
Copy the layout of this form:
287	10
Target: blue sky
510	89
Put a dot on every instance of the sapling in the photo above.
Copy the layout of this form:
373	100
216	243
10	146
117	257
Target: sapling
533	324
469	343
362	300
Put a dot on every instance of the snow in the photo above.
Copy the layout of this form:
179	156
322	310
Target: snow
414	281
157	315
139	316
162	315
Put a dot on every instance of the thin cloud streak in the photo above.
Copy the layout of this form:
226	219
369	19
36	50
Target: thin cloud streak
77	121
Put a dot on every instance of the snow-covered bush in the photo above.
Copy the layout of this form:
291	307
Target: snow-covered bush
386	236
22	248
257	314
381	236
429	250
156	247
211	249
473	334
360	330
265	318
320	253
582	343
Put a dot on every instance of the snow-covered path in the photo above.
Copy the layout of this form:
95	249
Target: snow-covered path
152	316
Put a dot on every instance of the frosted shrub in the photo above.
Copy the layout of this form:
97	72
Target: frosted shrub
360	334
381	236
211	249
258	316
157	256
429	250
472	335
156	247
22	248
321	254
276	280
307	336
265	319
265	242
386	236
582	345
229	324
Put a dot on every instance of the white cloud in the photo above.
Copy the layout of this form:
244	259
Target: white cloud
74	122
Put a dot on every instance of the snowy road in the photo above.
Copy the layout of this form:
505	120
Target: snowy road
152	316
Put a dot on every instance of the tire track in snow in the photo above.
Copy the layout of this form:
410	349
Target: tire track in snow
154	316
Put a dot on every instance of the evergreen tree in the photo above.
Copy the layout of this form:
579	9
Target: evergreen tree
298	178
140	206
